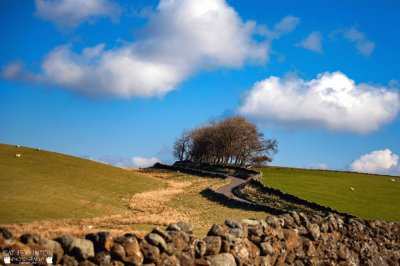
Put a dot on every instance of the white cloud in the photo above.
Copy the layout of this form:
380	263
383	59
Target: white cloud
12	70
312	42
118	72
181	38
319	166
288	24
68	14
143	162
394	83
285	26
16	70
332	101
363	44
118	161
137	162
377	162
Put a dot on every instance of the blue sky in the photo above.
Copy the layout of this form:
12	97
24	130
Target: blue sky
118	81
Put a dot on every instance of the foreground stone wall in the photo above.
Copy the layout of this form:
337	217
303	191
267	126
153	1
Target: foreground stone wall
289	239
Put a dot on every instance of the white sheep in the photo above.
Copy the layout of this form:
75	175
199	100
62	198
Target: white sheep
392	180
351	188
17	146
18	155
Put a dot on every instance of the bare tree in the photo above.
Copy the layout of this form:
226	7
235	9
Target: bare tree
181	146
229	141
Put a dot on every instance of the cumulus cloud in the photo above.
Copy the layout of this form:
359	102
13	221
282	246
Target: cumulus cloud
377	162
118	161
312	42
68	14
137	162
363	45
319	166
331	101
181	38
142	162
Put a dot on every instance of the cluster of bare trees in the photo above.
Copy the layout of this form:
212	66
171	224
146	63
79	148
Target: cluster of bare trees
230	141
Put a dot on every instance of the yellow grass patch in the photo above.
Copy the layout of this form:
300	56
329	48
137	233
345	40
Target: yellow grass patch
180	200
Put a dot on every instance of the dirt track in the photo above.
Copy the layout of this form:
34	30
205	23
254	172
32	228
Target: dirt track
228	188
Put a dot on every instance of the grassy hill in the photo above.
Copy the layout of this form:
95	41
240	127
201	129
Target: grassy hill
42	185
374	196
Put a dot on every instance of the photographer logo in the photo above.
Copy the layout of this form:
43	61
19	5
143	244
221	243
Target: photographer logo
7	260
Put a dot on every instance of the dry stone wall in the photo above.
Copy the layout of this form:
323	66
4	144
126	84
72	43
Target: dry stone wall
287	197
240	172
289	239
213	195
190	171
253	179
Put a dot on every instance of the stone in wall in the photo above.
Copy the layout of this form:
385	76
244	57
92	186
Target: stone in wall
289	239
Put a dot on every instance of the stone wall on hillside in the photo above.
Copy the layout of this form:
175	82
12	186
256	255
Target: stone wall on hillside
286	196
289	239
190	171
253	179
246	172
199	170
213	195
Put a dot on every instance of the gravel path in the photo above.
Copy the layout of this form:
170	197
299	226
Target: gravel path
228	189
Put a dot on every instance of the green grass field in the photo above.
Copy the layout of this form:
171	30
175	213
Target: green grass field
374	196
45	185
